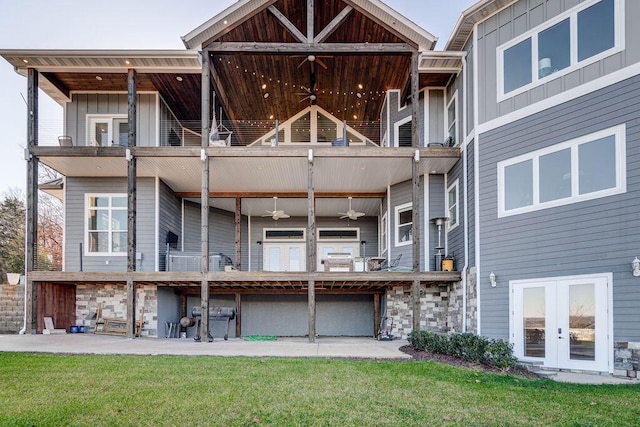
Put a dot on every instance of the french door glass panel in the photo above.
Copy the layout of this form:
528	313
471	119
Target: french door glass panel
582	322
534	321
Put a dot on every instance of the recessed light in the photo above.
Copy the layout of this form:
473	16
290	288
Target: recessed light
266	95
355	117
178	78
271	117
360	86
264	86
127	62
224	22
25	61
98	78
359	95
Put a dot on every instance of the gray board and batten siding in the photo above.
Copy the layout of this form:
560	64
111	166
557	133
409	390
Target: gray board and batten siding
221	232
588	237
75	217
518	19
111	103
169	221
470	203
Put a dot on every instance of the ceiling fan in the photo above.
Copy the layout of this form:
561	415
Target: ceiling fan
275	213
314	59
351	214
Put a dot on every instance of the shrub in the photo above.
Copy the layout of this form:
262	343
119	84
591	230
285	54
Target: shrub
466	346
500	354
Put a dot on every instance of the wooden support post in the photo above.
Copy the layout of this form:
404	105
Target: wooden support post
238	315
131	169
132	90
415	170
204	198
238	219
415	299
376	314
311	248
131	307
32	196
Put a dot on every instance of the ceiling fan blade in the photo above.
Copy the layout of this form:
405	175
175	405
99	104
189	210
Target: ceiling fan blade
301	63
344	216
322	64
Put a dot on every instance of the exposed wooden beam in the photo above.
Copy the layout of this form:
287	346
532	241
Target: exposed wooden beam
238	315
131	308
356	4
415	166
311	245
288	25
221	92
333	25
250	48
55	82
376	314
132	93
310	21
281	195
415	302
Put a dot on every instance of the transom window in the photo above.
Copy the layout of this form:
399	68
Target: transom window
586	168
581	36
106	226
452	205
404	224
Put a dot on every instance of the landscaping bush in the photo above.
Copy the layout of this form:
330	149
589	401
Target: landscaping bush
466	346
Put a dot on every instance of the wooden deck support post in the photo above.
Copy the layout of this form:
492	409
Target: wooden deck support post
415	193
132	94
311	249
204	198
238	315
238	221
415	300
376	314
32	197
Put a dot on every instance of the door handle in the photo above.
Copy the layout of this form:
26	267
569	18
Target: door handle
559	334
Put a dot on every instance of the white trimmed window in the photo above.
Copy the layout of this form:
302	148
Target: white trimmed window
403	132
585	168
452	205
105	130
106	224
452	120
585	34
404	224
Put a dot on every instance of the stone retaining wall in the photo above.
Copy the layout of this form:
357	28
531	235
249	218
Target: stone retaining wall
11	308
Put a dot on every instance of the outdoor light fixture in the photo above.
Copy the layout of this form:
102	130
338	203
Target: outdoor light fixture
310	155
416	156
492	279
635	264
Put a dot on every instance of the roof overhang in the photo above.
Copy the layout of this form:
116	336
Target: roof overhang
240	11
470	17
441	62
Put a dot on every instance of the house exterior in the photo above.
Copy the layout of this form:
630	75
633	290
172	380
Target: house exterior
312	164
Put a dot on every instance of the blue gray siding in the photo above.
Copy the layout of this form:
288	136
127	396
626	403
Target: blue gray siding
455	237
75	190
436	209
595	236
400	194
169	220
470	202
523	16
469	87
116	103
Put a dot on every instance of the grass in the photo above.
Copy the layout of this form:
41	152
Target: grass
63	390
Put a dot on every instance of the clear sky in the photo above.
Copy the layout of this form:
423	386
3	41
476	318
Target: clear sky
123	24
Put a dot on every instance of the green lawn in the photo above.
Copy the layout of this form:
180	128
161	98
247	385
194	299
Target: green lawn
60	390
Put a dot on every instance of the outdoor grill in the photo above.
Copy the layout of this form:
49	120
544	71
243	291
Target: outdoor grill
215	313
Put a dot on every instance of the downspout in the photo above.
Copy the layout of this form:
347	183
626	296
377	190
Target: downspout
464	191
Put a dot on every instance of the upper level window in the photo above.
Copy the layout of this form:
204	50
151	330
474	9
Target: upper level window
106	226
404	224
107	130
574	39
452	120
452	205
586	168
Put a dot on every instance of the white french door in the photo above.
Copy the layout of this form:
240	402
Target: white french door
284	256
562	322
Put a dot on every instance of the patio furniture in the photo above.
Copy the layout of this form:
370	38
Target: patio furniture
49	328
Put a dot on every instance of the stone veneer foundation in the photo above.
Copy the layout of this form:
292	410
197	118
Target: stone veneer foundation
626	359
113	300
